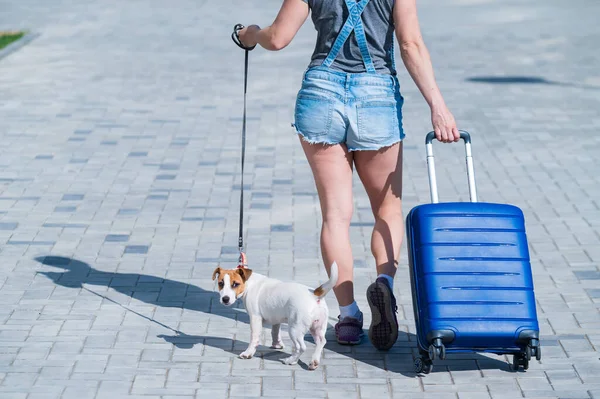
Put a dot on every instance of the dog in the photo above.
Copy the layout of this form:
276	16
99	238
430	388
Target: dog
275	302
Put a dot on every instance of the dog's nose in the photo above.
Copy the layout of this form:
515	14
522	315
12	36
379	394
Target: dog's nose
225	299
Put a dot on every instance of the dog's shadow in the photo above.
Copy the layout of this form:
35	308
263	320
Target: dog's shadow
399	359
235	347
169	293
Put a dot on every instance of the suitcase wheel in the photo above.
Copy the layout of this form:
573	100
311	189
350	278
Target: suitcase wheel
437	350
423	365
520	359
534	349
432	352
528	351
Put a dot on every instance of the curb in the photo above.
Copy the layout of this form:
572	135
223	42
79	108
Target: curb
14	46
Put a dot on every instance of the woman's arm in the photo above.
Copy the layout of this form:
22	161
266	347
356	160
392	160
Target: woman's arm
416	59
291	16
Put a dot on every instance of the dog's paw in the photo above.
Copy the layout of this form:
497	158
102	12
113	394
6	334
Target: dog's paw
313	365
246	354
277	345
290	360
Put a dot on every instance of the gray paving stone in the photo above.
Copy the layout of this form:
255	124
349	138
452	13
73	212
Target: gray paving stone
593	293
594	394
72	197
45	395
245	390
443	395
556	394
136	249
117	238
77	392
473	395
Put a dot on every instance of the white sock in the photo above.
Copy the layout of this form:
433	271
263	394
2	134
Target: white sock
390	280
349	310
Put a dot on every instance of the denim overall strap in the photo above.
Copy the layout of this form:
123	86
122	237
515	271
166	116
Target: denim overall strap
393	57
353	23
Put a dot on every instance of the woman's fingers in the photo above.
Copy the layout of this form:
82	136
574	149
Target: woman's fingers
444	134
456	133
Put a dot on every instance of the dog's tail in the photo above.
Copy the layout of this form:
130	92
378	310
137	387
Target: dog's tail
324	288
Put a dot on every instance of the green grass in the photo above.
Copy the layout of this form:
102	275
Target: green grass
7	38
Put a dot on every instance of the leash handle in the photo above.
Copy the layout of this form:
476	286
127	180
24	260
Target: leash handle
235	36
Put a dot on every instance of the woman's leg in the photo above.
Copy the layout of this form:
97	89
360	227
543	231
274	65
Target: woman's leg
381	174
332	170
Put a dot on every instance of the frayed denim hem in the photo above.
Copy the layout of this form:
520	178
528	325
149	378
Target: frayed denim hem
324	141
376	147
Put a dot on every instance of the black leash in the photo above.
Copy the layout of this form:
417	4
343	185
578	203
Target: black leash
133	311
236	39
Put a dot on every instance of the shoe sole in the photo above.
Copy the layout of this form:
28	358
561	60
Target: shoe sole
383	331
350	342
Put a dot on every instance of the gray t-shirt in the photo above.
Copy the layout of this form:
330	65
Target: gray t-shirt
329	16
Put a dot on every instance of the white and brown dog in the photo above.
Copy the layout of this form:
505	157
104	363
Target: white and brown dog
274	302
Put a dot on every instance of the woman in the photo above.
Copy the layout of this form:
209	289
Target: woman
348	114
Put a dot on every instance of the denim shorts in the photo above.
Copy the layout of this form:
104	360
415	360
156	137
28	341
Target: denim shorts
361	110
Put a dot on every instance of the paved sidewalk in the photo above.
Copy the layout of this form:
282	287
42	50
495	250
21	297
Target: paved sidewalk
119	195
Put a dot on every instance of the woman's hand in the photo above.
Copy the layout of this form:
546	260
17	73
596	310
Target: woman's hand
444	124
248	36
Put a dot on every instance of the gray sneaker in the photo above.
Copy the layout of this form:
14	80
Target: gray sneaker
383	331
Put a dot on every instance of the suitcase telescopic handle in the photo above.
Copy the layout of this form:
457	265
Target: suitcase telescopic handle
466	137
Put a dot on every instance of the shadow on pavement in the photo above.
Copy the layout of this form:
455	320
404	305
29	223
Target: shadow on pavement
146	288
398	360
528	80
169	293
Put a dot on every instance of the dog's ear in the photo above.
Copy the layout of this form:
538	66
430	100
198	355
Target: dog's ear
245	273
216	273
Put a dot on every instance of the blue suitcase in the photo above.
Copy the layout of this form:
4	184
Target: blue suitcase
471	276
